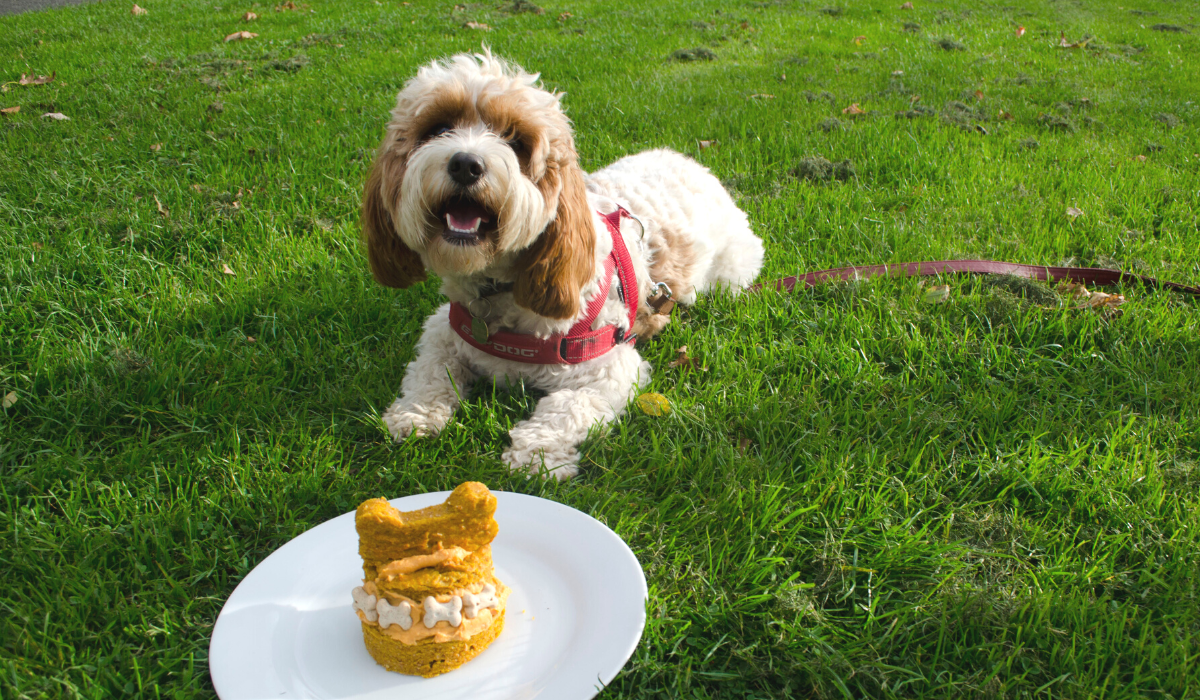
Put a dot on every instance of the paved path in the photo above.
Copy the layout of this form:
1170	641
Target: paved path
12	7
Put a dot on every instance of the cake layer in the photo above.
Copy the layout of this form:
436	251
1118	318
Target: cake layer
464	520
427	658
442	579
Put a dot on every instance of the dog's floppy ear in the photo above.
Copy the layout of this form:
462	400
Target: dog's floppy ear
393	264
554	269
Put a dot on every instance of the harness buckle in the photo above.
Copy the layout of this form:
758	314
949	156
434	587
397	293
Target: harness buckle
662	301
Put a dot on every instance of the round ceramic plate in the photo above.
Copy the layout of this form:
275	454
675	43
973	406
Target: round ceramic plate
575	614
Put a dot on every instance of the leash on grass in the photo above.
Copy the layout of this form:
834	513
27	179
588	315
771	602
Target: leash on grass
1078	275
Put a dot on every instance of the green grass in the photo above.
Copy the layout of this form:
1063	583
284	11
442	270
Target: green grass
859	495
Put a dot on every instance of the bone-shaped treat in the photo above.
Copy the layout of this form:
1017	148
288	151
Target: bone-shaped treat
450	611
394	614
365	602
473	603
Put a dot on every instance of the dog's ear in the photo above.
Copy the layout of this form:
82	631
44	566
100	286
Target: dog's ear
562	260
393	264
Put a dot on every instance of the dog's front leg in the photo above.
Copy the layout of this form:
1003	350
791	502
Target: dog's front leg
596	397
432	383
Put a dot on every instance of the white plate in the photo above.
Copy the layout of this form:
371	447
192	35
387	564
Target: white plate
575	614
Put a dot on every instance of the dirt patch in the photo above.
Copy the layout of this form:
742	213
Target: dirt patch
697	54
1168	120
1169	28
818	169
949	44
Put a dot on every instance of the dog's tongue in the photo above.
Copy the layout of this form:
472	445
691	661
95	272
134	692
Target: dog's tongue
465	216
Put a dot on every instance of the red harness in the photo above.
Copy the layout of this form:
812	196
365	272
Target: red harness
579	344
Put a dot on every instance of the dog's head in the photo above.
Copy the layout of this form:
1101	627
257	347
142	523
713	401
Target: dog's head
479	169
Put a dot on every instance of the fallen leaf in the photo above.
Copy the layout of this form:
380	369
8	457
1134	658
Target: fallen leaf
1073	290
744	444
161	209
1074	212
37	79
227	269
1020	32
858	40
477	25
914	99
135	10
706	144
239	36
653	404
37	245
937	294
682	359
746	25
1108	305
1140	158
979	94
565	16
1004	116
762	95
249	339
249	17
1064	44
10	110
9	399
854	110
56	115
897	72
289	5
906	6
156	146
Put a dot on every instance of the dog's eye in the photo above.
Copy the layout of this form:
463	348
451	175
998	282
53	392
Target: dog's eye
438	131
517	145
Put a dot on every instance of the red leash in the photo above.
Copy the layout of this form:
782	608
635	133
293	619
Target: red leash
1082	275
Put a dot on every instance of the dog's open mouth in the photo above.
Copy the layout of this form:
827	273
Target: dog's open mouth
466	221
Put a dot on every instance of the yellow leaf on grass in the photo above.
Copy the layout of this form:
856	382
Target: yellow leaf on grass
1074	212
906	6
135	10
9	399
10	110
239	36
653	404
477	25
249	17
37	79
227	269
937	294
854	110
1020	32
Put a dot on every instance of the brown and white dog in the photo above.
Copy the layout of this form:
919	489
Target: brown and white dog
478	181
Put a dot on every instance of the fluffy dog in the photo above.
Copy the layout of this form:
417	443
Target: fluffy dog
478	181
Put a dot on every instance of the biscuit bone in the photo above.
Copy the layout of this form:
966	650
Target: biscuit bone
473	603
450	611
365	602
394	614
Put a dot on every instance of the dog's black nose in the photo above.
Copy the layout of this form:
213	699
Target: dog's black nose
466	168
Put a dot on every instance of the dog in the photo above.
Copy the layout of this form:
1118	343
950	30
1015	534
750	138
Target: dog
551	273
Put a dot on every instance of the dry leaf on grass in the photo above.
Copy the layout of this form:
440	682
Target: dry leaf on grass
249	339
156	146
285	7
1073	290
937	294
763	95
9	399
58	116
1074	212
906	6
897	72
653	404
914	99
37	79
249	17
854	110
706	144
10	110
225	268
1139	158
1107	305
477	25
858	40
135	10
1020	32
239	36
682	359
979	94
565	16
1064	44
1004	116
161	209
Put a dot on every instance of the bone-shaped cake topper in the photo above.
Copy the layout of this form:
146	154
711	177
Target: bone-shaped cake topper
473	603
394	614
450	611
365	602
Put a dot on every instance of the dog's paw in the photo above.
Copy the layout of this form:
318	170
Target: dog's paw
552	462
403	422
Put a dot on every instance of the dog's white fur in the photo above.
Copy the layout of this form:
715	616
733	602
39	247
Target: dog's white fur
548	239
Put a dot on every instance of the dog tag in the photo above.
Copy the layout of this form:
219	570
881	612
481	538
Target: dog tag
479	330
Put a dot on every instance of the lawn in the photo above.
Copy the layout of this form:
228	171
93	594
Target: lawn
857	493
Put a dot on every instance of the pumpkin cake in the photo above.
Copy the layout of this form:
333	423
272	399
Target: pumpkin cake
430	600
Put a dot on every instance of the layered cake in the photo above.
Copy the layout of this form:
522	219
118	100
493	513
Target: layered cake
430	600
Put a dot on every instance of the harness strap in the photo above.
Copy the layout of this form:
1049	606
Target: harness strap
580	343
